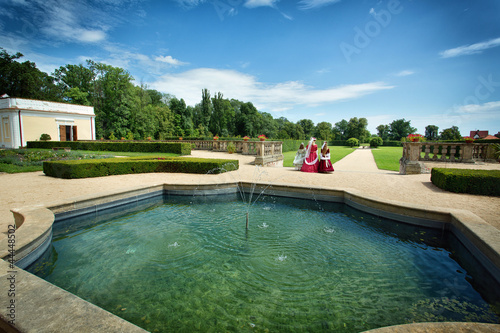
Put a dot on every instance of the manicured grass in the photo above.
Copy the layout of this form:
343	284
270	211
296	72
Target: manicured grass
336	154
11	168
387	158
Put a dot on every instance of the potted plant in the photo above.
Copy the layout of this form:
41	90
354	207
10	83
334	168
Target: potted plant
468	139
262	137
246	138
180	138
216	138
415	137
231	148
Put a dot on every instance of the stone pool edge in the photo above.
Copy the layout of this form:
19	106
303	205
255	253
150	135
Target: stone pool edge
35	231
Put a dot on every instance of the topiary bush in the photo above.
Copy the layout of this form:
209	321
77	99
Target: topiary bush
352	142
45	137
121	166
483	182
376	141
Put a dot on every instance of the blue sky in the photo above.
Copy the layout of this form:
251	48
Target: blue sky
429	61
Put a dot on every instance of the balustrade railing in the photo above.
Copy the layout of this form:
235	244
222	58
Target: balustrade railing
415	152
267	152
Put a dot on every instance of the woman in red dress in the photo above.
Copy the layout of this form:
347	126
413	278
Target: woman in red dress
311	161
325	165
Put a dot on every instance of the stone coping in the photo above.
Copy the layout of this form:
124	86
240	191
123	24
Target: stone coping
439	328
74	314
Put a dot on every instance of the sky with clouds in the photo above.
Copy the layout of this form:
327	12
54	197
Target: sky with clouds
428	61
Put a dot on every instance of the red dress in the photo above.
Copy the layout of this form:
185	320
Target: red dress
311	163
325	165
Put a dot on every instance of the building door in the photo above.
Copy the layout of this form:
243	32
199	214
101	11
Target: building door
68	133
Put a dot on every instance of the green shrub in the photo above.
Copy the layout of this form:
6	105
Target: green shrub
181	148
45	137
120	166
376	141
483	182
352	142
388	143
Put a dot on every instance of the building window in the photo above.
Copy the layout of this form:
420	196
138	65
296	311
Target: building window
6	128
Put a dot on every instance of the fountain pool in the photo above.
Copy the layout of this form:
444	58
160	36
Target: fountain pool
187	263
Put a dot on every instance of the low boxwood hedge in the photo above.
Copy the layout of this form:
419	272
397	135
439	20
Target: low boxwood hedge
182	148
119	166
484	182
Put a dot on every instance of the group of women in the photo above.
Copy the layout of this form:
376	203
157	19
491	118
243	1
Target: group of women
307	159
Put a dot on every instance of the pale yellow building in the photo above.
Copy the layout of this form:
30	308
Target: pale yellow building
25	120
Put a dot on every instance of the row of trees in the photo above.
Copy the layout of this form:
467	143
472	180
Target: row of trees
126	110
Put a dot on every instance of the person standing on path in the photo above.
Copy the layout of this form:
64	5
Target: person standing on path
311	162
300	157
325	165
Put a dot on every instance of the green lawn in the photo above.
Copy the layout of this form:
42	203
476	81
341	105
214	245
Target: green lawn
387	158
336	154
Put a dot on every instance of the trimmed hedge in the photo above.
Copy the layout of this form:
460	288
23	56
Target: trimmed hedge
483	182
182	148
120	166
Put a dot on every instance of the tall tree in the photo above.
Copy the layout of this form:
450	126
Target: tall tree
307	126
324	131
76	83
340	130
206	107
400	129
25	80
217	120
356	128
452	133
383	131
431	132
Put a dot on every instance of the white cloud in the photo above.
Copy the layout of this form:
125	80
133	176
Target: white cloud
470	49
171	61
310	4
270	97
372	11
486	108
405	73
259	3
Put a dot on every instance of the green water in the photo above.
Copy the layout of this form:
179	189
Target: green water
189	265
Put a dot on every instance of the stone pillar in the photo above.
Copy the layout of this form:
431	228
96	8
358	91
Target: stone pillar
490	153
467	150
409	164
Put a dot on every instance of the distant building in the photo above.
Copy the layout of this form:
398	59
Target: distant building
477	134
25	120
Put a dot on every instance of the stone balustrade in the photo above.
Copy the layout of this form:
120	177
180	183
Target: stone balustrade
268	153
415	153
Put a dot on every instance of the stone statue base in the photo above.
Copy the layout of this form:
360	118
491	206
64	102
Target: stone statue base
407	167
